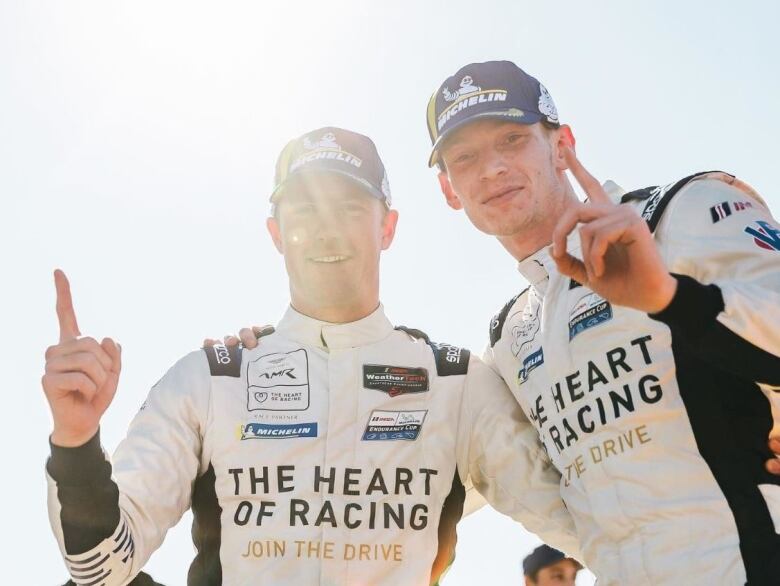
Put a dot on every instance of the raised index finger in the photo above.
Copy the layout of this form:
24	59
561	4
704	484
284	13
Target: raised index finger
69	328
588	182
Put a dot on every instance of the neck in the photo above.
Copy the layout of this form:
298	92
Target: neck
530	239
337	313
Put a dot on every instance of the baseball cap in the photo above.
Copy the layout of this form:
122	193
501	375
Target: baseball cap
333	150
494	89
541	557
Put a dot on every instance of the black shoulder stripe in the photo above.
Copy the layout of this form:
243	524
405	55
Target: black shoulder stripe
497	323
224	360
660	197
450	360
414	333
639	194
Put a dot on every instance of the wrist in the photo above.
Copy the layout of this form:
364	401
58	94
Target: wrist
665	294
64	438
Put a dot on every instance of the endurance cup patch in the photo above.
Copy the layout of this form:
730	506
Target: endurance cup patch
591	310
279	382
395	380
277	431
394	425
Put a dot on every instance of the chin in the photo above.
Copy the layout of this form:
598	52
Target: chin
502	226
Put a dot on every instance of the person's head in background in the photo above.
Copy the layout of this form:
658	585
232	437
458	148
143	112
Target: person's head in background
546	566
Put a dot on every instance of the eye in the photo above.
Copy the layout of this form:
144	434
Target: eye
353	208
303	209
515	138
461	158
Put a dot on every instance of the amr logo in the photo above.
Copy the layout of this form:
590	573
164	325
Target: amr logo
288	372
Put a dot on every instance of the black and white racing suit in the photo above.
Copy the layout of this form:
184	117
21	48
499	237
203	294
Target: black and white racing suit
659	424
330	454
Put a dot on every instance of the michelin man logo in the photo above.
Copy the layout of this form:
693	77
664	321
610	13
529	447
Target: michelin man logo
466	87
328	141
546	105
524	326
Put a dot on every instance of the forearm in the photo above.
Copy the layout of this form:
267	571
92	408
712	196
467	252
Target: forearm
95	540
693	317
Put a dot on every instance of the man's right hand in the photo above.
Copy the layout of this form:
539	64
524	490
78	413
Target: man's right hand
247	336
81	375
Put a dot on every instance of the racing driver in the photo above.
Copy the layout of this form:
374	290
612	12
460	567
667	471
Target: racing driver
646	348
333	453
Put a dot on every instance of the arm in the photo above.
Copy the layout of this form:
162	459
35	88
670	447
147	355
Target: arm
723	246
501	452
108	520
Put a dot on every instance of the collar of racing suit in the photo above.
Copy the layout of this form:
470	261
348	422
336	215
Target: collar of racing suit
321	334
538	267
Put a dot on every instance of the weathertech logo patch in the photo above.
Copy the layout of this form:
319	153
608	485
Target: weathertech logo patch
395	380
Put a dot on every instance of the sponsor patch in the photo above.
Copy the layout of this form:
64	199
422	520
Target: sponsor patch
279	382
224	360
764	235
277	430
394	425
450	360
529	363
523	327
725	209
591	310
395	380
655	198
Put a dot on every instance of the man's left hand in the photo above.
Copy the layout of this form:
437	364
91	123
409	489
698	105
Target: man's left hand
620	260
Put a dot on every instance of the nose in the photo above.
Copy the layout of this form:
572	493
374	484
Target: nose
493	166
327	223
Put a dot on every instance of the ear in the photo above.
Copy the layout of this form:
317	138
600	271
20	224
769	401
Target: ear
388	228
449	194
276	235
565	139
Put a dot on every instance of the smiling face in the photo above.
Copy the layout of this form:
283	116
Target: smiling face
508	177
331	233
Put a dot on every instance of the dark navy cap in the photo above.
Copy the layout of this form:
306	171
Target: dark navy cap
494	89
541	557
333	150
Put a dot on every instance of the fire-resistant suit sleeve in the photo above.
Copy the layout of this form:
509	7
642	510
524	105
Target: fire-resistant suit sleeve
109	519
722	244
501	452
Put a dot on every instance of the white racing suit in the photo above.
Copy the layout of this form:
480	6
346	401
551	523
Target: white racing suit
659	425
330	454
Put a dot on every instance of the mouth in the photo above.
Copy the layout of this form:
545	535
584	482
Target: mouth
503	195
329	259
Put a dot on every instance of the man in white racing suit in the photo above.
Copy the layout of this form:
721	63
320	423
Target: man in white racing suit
645	349
333	453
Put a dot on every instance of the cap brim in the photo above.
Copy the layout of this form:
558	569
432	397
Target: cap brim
373	191
526	118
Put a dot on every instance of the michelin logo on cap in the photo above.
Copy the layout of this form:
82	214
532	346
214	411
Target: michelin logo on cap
468	95
324	148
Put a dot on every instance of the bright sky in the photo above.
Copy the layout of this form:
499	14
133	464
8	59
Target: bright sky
137	142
